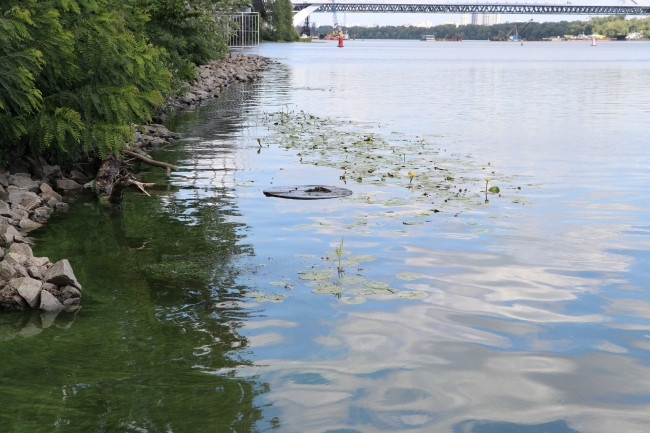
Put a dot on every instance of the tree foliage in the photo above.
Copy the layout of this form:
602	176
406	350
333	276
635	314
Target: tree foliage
75	75
280	22
612	26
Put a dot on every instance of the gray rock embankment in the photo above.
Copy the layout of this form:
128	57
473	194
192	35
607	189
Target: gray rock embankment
214	77
31	190
26	202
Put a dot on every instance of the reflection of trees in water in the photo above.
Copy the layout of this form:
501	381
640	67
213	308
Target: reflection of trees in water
155	343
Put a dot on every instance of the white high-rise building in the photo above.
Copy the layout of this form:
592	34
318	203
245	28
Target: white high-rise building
475	19
464	19
491	19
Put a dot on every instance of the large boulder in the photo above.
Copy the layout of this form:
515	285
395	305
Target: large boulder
50	303
8	234
4	209
64	184
23	181
28	199
7	272
62	275
22	249
29	289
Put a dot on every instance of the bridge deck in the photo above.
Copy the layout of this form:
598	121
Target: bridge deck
485	8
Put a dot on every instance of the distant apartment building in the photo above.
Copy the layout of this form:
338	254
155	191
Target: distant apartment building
490	19
464	19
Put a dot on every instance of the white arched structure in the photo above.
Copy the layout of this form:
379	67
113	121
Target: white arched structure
300	16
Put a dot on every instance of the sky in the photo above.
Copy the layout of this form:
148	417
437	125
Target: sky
434	19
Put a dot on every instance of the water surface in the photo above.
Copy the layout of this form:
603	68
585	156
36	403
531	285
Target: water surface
529	313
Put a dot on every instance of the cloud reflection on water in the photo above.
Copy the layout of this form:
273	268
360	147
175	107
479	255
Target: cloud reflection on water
418	369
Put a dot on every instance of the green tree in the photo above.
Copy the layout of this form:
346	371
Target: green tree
281	22
22	59
191	32
75	75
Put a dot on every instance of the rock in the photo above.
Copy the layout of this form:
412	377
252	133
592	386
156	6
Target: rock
79	176
65	185
34	272
23	250
18	212
70	292
29	289
24	181
45	187
15	259
42	214
50	303
21	270
7	271
28	199
10	300
60	207
37	261
70	302
158	142
49	195
4	209
61	274
8	235
29	225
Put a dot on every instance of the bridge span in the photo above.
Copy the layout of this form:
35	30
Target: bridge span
468	8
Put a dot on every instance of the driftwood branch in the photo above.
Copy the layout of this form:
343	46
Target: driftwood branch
111	181
149	160
124	182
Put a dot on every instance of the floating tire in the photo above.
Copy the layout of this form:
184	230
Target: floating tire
307	192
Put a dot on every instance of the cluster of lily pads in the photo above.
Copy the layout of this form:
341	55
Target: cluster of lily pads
367	155
343	278
406	179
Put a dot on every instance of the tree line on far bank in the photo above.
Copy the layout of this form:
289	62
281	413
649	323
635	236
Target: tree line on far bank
612	26
75	75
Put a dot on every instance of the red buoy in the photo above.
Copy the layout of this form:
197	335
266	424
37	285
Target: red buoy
340	41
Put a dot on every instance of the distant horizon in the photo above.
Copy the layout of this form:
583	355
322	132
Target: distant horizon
424	20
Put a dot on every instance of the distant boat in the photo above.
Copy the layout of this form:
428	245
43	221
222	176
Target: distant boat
428	38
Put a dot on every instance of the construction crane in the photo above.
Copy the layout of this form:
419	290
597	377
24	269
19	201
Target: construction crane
335	19
515	37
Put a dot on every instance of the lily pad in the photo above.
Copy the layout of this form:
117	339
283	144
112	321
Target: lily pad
316	275
328	289
349	281
271	298
412	294
362	258
376	284
351	300
409	276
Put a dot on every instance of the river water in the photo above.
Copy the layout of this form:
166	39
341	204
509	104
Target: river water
419	303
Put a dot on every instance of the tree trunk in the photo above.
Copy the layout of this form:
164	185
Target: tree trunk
112	180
